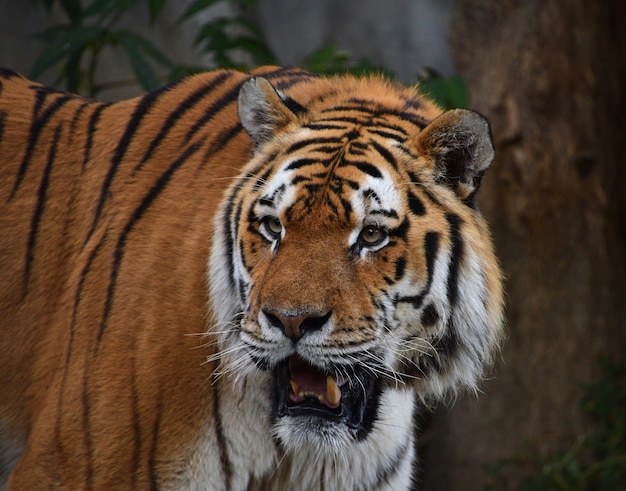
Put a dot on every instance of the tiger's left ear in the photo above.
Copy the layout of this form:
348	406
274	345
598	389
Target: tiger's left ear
459	143
264	110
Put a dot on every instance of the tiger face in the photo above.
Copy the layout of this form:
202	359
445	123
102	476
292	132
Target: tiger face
350	261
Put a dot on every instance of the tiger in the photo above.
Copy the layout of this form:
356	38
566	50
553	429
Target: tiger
238	281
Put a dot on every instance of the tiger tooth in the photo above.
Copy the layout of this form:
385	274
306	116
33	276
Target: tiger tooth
333	394
294	387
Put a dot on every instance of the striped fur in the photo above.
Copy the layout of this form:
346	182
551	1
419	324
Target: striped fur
172	263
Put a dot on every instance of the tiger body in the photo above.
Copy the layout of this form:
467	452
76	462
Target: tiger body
236	282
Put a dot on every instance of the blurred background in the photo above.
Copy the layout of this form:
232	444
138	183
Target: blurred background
550	75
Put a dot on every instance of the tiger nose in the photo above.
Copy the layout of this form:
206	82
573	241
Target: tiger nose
296	325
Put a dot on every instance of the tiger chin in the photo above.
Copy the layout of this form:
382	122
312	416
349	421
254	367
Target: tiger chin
237	281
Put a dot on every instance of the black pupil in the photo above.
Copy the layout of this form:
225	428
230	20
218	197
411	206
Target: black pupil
371	234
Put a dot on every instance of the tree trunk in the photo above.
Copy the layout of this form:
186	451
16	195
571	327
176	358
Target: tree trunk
550	75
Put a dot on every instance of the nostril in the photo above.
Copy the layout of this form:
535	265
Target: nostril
314	323
273	320
294	326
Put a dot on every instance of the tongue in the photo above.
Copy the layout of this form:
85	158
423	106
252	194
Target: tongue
308	382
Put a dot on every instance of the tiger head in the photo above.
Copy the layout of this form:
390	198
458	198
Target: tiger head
350	263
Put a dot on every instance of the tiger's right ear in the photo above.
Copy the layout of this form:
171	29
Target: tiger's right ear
264	110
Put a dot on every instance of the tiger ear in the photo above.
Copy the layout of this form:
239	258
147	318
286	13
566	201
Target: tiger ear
459	143
264	110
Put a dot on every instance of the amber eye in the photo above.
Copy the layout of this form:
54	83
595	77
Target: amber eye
273	226
372	235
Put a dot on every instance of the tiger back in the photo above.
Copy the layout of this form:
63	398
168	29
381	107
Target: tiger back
236	281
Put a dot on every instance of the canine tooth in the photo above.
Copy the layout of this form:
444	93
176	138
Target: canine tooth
294	387
333	394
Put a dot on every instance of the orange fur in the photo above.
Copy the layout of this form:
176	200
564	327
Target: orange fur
105	324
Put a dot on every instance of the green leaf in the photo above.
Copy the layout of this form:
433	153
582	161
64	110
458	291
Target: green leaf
64	41
141	67
327	60
144	45
448	92
106	9
195	7
154	8
73	10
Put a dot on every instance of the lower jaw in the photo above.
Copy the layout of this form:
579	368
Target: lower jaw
296	433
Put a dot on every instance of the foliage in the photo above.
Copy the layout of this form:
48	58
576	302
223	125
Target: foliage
75	46
448	92
77	43
596	462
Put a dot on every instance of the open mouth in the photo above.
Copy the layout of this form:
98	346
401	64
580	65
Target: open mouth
302	390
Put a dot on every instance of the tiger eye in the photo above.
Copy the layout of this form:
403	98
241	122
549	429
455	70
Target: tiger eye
274	226
371	235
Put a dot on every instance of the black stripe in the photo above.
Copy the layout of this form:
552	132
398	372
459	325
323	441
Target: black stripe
77	299
312	141
217	106
347	208
413	118
262	179
349	108
36	130
288	77
429	316
39	209
386	133
412	104
186	105
371	194
366	167
454	222
145	104
344	119
292	105
414	177
226	466
75	120
70	344
431	248
220	141
297	164
136	216
321	126
402	230
228	231
6	73
385	153
85	395
400	268
385	213
415	204
91	129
